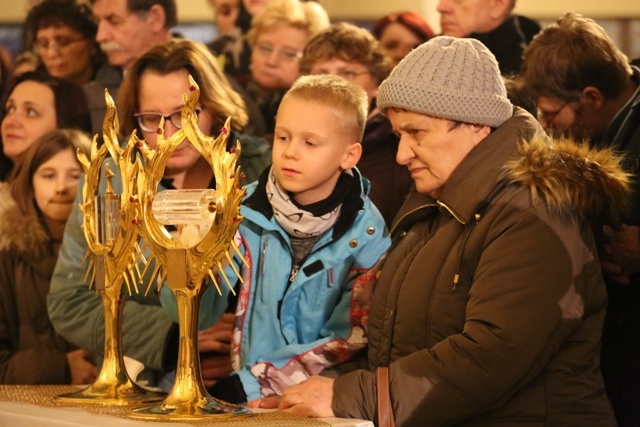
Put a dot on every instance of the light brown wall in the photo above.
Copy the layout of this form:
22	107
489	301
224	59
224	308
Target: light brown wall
199	10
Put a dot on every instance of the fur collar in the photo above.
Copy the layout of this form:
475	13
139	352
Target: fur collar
19	232
573	179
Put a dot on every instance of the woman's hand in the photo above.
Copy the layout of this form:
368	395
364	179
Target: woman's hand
312	398
214	346
82	370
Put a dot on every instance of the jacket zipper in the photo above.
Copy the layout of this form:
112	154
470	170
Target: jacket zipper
262	267
264	254
294	272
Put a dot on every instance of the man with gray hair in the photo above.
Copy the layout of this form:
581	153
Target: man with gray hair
470	323
127	29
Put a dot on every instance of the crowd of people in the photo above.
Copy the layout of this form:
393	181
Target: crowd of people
442	229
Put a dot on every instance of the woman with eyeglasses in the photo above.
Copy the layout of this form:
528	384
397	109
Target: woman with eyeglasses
35	104
62	33
277	38
153	88
354	54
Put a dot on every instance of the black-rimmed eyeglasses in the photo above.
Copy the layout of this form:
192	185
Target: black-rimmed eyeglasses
150	122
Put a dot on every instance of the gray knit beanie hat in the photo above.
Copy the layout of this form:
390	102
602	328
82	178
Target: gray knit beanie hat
449	78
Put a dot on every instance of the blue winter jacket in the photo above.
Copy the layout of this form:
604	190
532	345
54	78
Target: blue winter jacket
295	321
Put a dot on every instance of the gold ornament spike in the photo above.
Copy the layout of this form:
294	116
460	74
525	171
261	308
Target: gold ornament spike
186	268
112	241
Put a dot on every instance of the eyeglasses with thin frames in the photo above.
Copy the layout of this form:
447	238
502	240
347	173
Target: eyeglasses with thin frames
42	45
285	54
550	116
351	74
150	122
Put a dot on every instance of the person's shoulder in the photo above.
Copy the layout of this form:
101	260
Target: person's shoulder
106	75
372	214
547	169
529	27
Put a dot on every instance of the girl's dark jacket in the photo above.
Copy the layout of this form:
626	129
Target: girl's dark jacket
489	307
31	352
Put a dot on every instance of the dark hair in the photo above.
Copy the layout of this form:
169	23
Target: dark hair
142	6
169	6
349	43
520	94
410	20
70	102
571	54
43	148
50	13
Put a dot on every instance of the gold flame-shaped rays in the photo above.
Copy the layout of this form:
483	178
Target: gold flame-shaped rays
112	261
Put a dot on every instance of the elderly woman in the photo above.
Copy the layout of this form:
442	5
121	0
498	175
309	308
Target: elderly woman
489	308
353	53
277	38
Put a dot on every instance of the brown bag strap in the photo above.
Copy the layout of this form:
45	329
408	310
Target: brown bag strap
385	412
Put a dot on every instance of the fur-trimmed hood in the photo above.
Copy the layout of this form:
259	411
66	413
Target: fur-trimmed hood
22	233
573	179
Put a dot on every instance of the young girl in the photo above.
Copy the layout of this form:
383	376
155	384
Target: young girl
34	206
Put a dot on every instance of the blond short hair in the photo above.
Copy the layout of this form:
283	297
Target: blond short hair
309	17
337	93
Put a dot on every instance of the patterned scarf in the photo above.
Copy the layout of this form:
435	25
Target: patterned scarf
295	220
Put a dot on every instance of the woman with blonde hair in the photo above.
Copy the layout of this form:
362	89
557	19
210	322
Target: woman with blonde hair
277	38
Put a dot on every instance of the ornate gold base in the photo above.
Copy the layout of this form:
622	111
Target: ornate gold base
112	394
206	408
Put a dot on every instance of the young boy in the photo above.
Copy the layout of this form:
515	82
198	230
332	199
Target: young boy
353	53
309	233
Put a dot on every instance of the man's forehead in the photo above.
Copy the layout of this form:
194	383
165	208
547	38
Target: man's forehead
104	8
546	102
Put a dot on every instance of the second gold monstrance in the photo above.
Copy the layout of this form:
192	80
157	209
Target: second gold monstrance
186	267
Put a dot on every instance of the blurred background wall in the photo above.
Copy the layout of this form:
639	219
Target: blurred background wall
620	18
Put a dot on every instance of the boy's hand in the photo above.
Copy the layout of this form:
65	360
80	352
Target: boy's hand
82	370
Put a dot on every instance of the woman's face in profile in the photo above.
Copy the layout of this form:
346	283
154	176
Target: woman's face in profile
432	148
30	113
161	95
